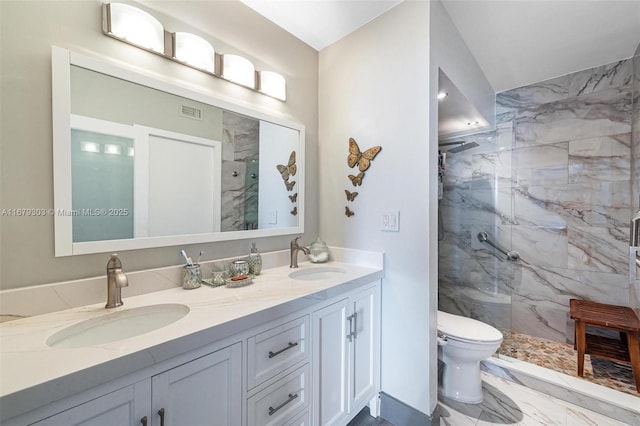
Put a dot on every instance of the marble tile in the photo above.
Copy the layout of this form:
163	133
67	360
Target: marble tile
541	165
606	158
601	114
511	403
559	285
596	204
541	245
539	206
610	76
614	75
598	249
545	318
579	416
575	391
232	214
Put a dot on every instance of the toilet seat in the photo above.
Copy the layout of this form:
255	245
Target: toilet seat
467	329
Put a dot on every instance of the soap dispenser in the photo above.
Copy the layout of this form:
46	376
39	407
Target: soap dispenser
254	260
319	252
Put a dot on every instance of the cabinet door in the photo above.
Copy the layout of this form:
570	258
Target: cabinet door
206	391
330	363
126	406
363	356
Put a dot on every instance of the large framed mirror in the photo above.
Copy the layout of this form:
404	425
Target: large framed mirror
141	162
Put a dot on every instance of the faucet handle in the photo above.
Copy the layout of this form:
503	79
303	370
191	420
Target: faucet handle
114	262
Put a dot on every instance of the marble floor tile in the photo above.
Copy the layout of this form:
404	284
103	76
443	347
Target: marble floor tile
508	403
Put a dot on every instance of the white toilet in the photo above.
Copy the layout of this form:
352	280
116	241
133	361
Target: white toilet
462	344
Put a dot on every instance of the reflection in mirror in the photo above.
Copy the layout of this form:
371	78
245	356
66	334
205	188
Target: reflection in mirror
142	163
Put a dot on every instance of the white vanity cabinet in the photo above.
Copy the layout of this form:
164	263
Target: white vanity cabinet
345	355
206	390
126	406
276	395
313	363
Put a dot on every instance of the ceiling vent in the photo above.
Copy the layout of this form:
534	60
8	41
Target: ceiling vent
191	112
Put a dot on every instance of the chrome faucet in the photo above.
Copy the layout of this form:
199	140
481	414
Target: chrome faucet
116	279
295	248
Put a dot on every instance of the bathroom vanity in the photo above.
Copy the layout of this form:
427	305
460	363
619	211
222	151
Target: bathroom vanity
301	350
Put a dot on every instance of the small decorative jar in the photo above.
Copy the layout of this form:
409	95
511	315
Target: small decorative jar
319	252
239	267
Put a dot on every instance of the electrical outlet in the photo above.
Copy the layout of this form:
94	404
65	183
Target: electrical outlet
391	221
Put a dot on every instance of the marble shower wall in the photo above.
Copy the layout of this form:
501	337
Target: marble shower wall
557	181
635	151
240	149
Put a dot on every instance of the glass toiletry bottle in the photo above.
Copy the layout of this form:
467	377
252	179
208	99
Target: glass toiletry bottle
319	252
254	260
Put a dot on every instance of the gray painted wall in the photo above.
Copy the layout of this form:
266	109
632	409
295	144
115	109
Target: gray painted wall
30	28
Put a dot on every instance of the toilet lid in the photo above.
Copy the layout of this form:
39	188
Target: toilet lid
463	328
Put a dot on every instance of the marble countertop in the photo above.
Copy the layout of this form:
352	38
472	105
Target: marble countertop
29	369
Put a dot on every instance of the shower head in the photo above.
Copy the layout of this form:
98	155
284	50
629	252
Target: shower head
462	146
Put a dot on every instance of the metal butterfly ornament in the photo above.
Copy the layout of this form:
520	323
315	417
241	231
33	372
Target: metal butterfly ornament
356	180
362	159
290	169
350	195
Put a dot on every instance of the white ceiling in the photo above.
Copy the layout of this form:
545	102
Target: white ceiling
516	42
320	23
519	42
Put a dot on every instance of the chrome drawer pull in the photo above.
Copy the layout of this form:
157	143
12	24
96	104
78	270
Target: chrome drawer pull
352	326
272	410
291	345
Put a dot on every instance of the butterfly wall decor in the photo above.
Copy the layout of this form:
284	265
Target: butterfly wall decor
290	169
294	211
348	212
293	197
350	195
362	159
356	180
289	185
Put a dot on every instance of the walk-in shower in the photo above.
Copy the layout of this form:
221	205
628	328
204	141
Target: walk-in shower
557	181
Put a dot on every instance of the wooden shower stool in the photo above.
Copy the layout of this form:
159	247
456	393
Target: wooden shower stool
611	317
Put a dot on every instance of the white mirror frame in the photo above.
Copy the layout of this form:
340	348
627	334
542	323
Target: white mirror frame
61	61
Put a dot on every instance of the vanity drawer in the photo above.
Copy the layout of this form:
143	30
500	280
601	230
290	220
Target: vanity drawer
303	419
274	350
280	403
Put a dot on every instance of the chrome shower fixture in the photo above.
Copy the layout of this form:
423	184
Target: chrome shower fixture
461	146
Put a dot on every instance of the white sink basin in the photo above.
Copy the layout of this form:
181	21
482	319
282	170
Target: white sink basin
116	326
317	273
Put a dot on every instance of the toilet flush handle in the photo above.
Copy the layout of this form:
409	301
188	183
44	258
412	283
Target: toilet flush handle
442	340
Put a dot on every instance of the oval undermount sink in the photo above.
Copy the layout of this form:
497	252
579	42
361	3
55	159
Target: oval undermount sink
317	273
116	326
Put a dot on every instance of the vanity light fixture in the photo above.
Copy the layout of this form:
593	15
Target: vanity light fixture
273	84
112	149
87	146
134	26
194	50
138	28
239	70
